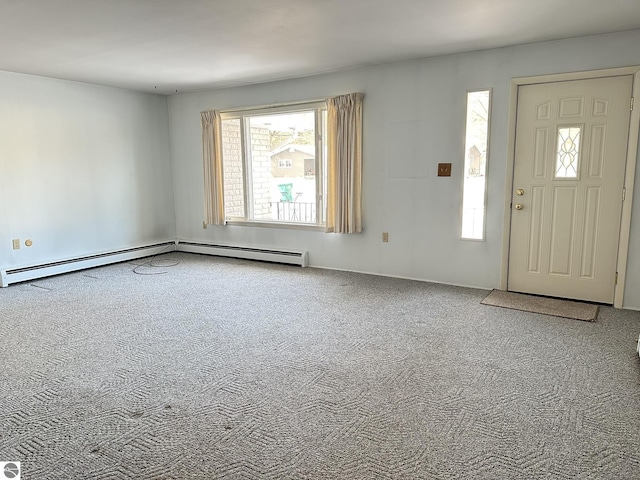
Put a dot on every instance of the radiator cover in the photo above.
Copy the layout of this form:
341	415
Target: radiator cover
31	272
289	257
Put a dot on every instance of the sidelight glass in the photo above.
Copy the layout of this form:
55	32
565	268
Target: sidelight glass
476	153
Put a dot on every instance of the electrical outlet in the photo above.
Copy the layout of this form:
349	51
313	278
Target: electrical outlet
28	242
385	237
16	243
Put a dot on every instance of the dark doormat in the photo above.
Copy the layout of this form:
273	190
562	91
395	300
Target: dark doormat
544	305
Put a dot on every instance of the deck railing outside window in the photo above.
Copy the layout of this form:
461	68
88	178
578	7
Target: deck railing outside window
294	211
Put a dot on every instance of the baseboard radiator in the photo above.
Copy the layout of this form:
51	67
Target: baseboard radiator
24	274
248	253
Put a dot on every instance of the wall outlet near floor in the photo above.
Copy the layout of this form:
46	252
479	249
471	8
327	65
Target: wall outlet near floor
16	243
385	237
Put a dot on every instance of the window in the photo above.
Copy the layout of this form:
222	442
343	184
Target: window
568	157
475	164
273	163
242	176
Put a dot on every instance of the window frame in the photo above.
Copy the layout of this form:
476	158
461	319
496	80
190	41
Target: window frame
319	108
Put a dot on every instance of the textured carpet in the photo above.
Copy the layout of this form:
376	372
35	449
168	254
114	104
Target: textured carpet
544	305
229	369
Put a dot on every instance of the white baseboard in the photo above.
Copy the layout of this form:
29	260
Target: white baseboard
30	272
289	257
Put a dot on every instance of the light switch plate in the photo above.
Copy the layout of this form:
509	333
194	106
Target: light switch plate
444	169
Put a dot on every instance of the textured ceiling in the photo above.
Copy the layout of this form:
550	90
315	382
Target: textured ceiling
167	46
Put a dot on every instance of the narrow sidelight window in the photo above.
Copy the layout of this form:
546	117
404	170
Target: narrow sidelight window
476	153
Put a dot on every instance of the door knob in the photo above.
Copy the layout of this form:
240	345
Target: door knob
519	206
519	192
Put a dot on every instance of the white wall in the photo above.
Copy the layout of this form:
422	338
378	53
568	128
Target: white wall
83	169
422	215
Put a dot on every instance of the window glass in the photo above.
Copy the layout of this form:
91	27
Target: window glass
271	163
475	164
568	157
232	168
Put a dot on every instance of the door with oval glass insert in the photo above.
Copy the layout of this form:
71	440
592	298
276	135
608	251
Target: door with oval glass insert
571	145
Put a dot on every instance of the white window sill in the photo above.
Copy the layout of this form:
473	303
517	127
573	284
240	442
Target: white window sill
284	225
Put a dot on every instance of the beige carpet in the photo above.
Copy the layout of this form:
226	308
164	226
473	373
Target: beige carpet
222	369
544	305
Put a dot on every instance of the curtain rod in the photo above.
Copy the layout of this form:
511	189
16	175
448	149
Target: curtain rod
273	105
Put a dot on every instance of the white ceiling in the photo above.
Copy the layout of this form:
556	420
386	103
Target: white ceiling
187	45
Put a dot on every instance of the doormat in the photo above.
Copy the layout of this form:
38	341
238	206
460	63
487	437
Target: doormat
544	305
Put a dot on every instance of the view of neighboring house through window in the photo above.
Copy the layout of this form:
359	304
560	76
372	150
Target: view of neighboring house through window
475	164
274	164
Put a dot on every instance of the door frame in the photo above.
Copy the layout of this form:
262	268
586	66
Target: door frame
630	167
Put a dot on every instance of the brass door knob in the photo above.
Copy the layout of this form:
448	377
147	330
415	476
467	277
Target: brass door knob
519	192
519	206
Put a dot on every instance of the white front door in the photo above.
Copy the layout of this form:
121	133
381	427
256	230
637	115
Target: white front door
571	147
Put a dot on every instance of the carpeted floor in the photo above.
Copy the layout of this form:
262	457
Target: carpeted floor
223	368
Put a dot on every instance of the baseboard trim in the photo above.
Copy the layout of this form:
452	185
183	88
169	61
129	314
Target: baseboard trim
30	272
288	257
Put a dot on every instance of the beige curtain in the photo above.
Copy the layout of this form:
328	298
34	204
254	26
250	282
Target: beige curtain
212	158
344	163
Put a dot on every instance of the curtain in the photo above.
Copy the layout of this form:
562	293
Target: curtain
344	163
212	159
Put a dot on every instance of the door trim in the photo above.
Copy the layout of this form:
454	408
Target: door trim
630	168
